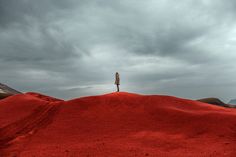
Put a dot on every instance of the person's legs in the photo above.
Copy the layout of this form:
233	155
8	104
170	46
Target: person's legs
118	88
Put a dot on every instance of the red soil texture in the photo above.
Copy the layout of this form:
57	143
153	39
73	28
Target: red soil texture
115	125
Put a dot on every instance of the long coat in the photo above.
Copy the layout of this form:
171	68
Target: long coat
117	81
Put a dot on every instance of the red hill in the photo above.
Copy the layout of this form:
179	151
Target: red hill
115	125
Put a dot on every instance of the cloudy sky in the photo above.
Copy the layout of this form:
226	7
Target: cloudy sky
72	48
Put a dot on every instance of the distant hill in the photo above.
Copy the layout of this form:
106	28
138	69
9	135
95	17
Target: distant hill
214	101
6	91
232	102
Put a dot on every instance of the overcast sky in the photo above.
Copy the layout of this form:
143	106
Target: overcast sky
72	48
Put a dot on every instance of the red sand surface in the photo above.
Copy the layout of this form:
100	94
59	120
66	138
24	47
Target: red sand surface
115	125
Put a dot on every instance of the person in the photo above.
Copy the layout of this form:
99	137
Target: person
117	81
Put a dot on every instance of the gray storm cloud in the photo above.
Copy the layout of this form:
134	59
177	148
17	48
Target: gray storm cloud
71	48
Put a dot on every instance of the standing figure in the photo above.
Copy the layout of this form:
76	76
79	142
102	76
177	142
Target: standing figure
117	81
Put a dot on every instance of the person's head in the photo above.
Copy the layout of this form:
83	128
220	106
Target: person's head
116	73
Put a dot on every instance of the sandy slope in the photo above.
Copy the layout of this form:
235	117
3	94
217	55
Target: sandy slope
115	125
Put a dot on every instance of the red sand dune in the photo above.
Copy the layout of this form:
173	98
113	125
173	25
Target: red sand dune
115	125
